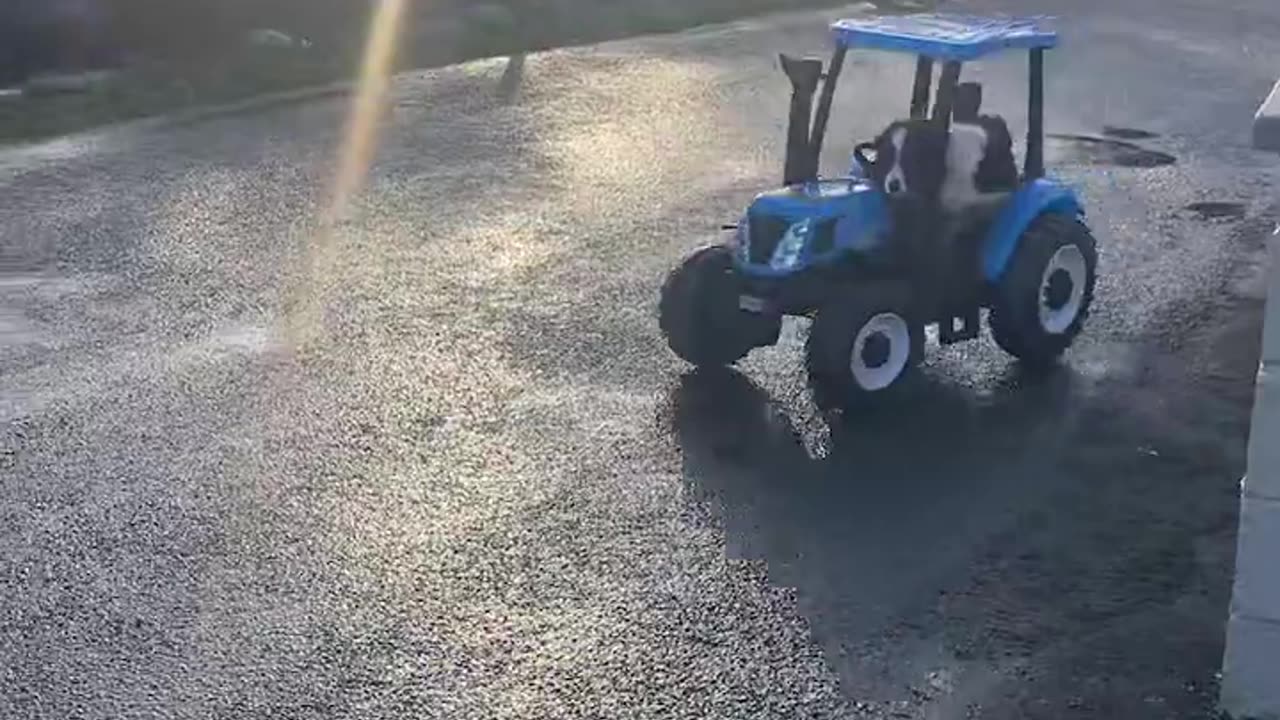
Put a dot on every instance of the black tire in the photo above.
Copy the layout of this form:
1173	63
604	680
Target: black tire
698	312
1036	313
834	337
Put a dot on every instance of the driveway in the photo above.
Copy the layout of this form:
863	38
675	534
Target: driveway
434	460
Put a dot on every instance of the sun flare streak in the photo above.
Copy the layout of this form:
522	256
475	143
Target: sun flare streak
361	137
360	142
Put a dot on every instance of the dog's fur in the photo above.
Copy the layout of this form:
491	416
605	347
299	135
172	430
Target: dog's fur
942	183
969	168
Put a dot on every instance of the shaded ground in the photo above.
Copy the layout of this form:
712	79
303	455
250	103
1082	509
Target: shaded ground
431	34
1058	547
486	490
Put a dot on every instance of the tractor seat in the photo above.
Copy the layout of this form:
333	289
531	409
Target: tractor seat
968	102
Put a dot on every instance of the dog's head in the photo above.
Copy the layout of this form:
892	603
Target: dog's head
909	159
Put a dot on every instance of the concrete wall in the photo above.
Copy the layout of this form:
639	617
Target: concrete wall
1251	668
1266	124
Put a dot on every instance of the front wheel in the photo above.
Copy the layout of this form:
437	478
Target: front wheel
699	315
862	346
1045	295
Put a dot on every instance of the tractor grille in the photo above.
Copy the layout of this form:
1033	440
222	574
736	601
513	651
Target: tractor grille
767	232
763	240
823	237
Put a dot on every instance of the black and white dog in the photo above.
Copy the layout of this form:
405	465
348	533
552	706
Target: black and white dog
940	181
970	167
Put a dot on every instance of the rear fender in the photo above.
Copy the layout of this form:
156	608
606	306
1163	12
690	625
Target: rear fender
1028	203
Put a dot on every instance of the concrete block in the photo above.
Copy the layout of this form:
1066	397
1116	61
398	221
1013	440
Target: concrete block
1251	670
1266	124
1251	666
1271	328
1263	479
1257	586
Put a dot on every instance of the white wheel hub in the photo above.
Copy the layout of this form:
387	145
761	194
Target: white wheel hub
881	351
1062	289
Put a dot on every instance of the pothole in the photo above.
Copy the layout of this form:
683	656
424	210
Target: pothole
1091	150
1212	210
1126	133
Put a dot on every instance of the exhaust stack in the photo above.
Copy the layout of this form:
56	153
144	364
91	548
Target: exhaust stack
801	162
804	145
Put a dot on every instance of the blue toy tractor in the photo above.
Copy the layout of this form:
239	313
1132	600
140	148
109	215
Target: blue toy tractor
830	248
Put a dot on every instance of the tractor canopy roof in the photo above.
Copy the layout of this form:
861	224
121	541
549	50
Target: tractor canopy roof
943	37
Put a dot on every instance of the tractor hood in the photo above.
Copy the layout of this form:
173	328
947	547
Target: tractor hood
807	224
818	200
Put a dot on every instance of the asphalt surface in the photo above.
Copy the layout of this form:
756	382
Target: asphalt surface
477	485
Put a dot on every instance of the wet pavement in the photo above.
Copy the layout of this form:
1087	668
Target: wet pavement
437	461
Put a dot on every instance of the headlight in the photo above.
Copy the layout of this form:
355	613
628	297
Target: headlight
787	254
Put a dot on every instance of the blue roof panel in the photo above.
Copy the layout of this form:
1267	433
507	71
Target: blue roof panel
943	37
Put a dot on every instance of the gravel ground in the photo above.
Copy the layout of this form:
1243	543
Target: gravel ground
481	487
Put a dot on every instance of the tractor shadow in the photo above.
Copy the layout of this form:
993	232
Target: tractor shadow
895	512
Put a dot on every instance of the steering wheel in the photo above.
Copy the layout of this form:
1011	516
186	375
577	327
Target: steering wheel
860	152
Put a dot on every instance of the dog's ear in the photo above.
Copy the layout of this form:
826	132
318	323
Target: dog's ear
936	137
931	145
924	158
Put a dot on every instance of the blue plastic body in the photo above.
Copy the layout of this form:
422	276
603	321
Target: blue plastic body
858	209
943	37
862	221
1028	203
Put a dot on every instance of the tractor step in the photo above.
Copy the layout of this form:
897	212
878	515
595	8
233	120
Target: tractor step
949	333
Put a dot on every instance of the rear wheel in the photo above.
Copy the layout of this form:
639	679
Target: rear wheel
699	315
862	347
1044	298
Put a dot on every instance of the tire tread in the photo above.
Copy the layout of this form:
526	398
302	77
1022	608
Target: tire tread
831	334
1014	320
